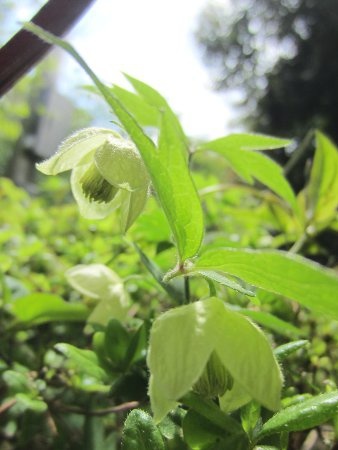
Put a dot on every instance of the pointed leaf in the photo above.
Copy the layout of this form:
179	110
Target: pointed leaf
272	322
175	288
283	351
144	113
322	190
279	272
302	416
83	361
155	99
177	193
117	341
137	348
245	141
140	432
199	432
250	165
226	281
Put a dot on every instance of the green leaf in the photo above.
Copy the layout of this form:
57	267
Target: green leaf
117	341
28	401
143	112
198	431
272	322
208	325
322	189
38	308
156	100
138	345
283	351
249	165
17	381
302	416
220	278
175	288
176	191
251	417
140	432
245	141
211	412
279	272
83	361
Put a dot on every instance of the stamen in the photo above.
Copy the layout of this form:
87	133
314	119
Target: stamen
95	187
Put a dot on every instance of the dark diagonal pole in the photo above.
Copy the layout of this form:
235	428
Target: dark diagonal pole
24	50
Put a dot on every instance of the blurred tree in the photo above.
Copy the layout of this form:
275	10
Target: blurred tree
280	57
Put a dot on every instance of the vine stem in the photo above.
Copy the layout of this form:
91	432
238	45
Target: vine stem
6	406
98	412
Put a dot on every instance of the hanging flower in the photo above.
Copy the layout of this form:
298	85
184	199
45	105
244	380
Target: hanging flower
107	173
210	349
100	283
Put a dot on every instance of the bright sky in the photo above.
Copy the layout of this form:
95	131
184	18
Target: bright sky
152	40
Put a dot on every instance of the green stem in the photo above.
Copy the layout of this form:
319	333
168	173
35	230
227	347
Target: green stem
297	154
298	245
187	289
212	289
211	412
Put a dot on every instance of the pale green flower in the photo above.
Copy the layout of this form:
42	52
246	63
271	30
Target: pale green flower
99	282
107	173
215	351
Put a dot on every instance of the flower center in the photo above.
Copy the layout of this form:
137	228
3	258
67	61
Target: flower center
95	187
215	379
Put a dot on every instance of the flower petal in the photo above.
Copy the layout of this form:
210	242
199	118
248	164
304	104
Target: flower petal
235	398
94	280
181	342
89	208
246	353
121	165
76	149
115	307
132	204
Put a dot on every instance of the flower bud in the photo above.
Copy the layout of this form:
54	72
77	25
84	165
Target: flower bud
215	379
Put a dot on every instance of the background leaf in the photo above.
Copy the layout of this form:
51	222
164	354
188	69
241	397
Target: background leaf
272	322
39	308
83	361
251	165
245	141
322	189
